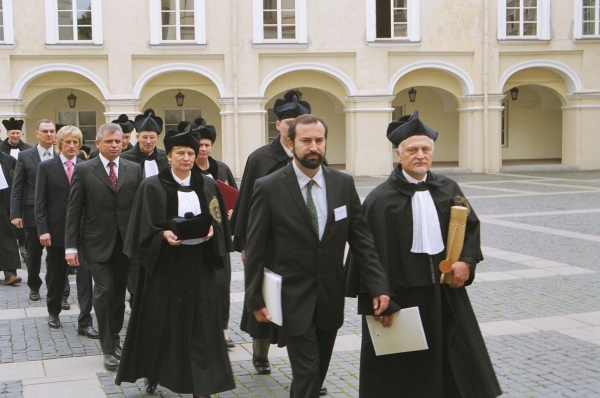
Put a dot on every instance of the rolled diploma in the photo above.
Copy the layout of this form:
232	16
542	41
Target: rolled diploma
456	240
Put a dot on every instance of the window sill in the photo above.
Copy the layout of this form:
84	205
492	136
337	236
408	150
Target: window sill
280	45
587	39
525	40
74	46
7	46
179	46
393	43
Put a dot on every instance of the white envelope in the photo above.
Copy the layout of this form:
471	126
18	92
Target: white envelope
406	333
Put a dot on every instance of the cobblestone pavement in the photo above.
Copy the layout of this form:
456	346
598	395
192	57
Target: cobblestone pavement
535	296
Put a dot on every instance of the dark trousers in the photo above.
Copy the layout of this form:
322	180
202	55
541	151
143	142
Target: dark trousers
309	357
84	294
34	258
57	279
110	283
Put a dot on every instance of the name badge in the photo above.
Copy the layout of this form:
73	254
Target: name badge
340	213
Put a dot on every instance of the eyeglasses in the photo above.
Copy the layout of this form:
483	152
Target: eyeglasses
47	131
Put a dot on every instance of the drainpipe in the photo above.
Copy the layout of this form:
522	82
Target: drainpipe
236	131
486	51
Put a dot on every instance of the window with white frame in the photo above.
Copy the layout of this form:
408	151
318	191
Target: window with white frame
6	22
73	22
177	22
393	20
504	125
174	116
524	19
587	19
279	21
85	120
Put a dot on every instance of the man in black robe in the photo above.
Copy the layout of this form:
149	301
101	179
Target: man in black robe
262	162
9	250
409	216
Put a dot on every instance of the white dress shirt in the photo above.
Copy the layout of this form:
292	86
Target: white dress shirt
427	233
63	159
187	202
318	193
42	152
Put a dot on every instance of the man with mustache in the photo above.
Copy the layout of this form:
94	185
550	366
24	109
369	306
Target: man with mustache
301	218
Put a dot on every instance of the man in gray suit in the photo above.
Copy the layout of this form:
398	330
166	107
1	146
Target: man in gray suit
300	220
22	200
102	192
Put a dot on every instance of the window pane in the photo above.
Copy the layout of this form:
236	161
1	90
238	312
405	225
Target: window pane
513	3
589	3
269	4
513	29
169	18
191	114
87	118
84	33
529	3
65	18
400	30
512	15
288	4
186	18
1	33
65	5
88	132
270	17
288	17
400	3
65	33
186	5
530	15
270	32
169	33
84	18
588	28
67	117
187	33
588	14
400	16
169	5
529	29
84	5
288	32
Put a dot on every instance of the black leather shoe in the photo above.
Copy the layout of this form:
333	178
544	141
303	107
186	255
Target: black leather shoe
34	295
54	322
65	305
110	362
262	366
150	386
117	352
229	343
323	391
89	332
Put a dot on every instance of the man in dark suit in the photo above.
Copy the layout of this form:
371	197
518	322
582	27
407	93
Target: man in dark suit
102	192
22	204
53	185
300	220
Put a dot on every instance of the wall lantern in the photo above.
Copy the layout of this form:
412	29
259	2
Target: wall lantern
179	98
514	93
412	94
72	100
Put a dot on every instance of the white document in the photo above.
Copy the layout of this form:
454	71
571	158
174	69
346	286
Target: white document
15	153
406	333
340	213
271	291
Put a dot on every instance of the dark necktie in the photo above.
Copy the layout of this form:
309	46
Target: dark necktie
112	175
311	206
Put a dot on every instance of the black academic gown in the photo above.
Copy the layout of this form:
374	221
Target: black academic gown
457	357
9	249
219	170
174	337
139	157
6	146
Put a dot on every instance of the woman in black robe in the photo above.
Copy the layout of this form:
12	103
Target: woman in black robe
174	337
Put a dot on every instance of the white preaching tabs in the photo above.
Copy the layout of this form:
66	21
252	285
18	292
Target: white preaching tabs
150	168
271	291
405	335
14	152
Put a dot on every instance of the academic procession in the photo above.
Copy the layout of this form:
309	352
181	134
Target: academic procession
299	200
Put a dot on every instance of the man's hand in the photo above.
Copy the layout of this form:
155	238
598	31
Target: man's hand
262	315
461	272
17	222
171	238
229	214
210	234
45	240
385	320
380	303
244	257
72	259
